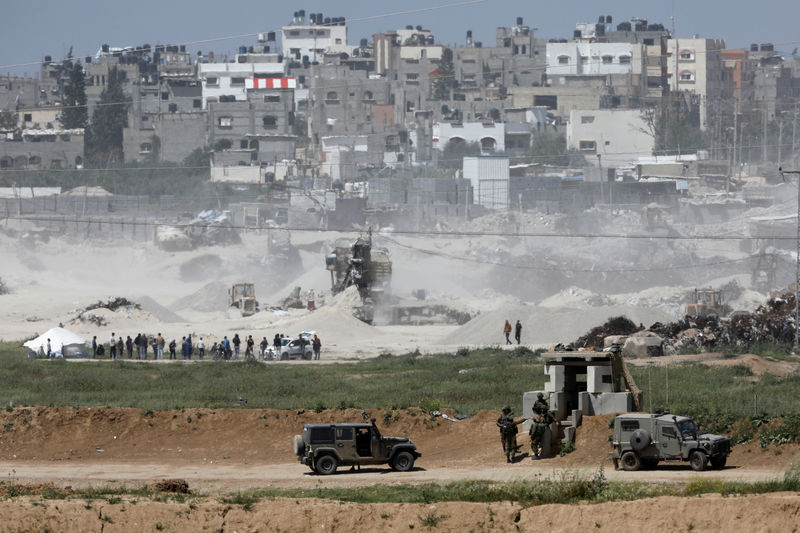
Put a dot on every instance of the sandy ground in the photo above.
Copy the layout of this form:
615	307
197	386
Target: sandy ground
227	450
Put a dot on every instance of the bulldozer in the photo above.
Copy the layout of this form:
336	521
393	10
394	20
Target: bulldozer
706	302
366	267
243	297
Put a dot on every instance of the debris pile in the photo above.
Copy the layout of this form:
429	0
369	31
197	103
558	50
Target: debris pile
113	303
772	321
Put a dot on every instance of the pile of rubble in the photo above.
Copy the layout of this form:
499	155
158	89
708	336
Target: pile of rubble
112	304
770	322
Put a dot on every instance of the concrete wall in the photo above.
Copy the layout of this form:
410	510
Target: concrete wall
619	135
588	58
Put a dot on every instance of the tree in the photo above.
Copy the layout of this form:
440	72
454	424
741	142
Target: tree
673	132
75	113
444	77
8	120
110	117
454	152
550	148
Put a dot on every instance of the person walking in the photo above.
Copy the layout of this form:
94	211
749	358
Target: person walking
507	331
236	343
49	350
226	347
94	347
250	352
201	348
263	346
517	332
316	344
508	432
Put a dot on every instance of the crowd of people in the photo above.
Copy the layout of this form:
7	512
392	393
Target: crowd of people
142	345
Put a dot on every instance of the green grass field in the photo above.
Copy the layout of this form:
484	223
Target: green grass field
467	382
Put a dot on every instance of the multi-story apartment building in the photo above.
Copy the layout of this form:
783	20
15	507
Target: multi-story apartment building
695	66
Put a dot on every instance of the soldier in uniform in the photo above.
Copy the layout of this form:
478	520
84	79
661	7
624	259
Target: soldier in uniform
508	432
541	420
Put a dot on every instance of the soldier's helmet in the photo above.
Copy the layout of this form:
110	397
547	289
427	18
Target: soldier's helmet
506	408
540	395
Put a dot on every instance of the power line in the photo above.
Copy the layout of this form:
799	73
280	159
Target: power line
429	233
255	34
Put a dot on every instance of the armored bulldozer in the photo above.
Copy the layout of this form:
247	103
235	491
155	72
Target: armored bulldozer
366	267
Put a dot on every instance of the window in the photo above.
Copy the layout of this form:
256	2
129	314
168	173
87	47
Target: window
237	81
624	60
338	41
563	60
687	55
145	148
587	145
243	144
344	434
368	95
212	80
272	98
27	117
164	95
55	163
607	60
687	75
587	119
225	122
34	161
66	138
412	76
197	103
630	425
270	122
294	33
669	431
321	435
332	95
584	60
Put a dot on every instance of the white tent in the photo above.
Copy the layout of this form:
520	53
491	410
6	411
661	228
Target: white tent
63	342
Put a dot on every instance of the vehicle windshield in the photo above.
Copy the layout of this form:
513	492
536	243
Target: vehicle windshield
688	428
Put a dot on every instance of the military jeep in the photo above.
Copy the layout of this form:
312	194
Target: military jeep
642	440
325	447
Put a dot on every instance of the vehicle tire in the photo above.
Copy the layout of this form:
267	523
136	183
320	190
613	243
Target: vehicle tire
403	462
630	461
640	439
718	462
698	460
649	463
299	446
307	356
326	465
285	356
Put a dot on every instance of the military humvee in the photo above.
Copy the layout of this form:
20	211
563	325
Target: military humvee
642	439
324	447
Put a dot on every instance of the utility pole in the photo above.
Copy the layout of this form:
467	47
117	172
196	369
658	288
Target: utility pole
796	346
764	134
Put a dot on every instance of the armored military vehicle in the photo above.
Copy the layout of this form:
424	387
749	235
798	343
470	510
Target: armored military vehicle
642	439
325	447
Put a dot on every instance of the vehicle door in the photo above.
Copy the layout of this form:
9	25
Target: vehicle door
346	443
669	442
363	442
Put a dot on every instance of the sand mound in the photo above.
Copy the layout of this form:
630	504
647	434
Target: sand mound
545	325
202	267
210	297
157	310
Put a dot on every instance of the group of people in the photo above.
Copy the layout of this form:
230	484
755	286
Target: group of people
142	343
224	349
517	332
542	418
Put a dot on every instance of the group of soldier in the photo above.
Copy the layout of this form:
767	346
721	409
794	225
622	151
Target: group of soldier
508	429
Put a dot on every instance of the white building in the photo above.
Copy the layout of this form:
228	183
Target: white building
230	79
490	135
489	177
696	66
619	136
588	58
311	40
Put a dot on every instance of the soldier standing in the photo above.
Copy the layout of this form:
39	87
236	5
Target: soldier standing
541	420
508	432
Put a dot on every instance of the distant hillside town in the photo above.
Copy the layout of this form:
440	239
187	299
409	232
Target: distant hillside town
621	111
